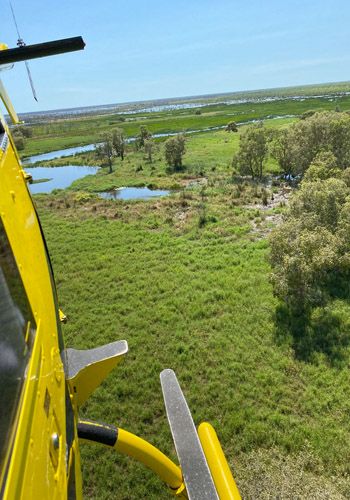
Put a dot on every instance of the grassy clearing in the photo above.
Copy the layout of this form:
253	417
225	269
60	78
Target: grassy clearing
207	155
199	301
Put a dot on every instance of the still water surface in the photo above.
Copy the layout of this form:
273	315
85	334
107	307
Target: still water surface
58	177
133	193
62	177
60	153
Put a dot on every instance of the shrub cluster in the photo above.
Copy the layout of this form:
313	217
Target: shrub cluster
174	151
295	147
111	145
310	257
20	133
298	145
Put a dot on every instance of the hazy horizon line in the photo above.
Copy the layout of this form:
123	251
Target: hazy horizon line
185	97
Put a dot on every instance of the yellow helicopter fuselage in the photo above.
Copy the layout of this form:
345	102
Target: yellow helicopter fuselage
41	446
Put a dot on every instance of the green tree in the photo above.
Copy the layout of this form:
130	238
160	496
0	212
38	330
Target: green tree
18	139
284	149
310	258
324	166
318	203
339	138
118	143
143	135
301	258
112	145
297	147
149	149
307	114
104	151
25	130
174	151
231	127
252	151
304	140
345	176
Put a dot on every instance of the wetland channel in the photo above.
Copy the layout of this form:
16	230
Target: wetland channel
46	179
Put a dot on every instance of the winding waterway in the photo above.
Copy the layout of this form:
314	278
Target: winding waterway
46	179
60	153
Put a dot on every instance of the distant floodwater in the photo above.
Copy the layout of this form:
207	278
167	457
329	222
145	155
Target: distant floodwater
174	104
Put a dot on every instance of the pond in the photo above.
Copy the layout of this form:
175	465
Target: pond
133	193
56	177
46	179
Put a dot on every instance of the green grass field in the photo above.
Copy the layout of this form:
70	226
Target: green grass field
185	280
198	301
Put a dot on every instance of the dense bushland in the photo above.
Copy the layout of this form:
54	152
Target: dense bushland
310	256
295	147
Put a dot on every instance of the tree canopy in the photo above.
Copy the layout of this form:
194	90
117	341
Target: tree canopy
112	144
174	151
252	151
143	136
310	258
231	127
297	146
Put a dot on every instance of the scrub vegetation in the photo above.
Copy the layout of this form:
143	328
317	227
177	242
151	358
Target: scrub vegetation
310	249
237	283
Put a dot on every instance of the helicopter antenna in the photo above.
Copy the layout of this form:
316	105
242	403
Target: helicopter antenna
21	43
31	80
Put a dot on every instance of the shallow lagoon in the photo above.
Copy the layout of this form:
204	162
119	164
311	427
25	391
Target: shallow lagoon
62	177
58	177
133	193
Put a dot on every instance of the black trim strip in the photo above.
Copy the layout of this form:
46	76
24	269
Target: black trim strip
95	431
52	278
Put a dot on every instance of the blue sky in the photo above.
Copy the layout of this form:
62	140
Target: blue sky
138	50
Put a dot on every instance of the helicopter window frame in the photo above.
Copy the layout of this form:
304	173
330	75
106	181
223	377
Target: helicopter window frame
3	137
17	332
